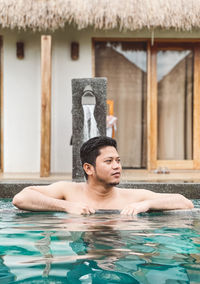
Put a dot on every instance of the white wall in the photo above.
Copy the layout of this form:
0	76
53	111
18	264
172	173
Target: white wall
63	70
22	99
22	94
21	104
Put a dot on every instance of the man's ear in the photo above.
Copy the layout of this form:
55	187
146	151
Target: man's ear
88	168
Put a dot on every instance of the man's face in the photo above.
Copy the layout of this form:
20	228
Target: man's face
108	166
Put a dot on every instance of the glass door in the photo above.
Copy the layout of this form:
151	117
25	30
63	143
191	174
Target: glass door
174	113
124	63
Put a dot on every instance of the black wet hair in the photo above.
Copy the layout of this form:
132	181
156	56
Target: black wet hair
90	150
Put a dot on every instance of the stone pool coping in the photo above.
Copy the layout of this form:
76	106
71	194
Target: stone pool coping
189	190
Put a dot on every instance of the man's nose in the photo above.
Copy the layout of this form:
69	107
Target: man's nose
115	164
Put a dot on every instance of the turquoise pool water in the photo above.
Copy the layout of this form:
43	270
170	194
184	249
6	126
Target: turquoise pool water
101	248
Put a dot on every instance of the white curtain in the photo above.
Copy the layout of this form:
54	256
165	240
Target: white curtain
175	98
127	88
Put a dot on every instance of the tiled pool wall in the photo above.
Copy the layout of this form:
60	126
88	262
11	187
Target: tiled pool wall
189	190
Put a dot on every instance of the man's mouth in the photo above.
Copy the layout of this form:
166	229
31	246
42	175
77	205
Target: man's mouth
117	174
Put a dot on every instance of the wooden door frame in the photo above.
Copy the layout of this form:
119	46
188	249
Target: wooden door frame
46	62
196	108
1	105
152	96
152	162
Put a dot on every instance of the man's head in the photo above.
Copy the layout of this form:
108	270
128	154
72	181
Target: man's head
90	150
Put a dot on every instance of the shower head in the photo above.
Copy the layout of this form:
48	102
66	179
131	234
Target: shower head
88	97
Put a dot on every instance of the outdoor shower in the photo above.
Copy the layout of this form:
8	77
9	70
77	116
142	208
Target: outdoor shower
88	101
88	116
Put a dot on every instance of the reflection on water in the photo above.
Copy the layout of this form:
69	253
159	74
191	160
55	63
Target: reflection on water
101	248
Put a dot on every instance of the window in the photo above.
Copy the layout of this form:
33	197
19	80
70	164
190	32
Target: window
124	64
156	94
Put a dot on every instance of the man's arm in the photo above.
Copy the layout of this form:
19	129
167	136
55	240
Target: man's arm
157	201
49	198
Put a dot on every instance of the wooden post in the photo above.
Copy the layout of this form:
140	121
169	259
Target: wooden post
45	106
151	108
1	105
148	107
196	108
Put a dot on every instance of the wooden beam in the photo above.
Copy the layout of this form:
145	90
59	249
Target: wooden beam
45	106
196	108
1	104
176	164
148	106
152	108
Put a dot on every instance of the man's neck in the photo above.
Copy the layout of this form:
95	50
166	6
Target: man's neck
99	192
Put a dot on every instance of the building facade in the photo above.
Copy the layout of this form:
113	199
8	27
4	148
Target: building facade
153	80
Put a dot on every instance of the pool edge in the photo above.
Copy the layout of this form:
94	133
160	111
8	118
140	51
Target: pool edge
189	190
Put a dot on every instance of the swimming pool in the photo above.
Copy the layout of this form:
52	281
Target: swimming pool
102	248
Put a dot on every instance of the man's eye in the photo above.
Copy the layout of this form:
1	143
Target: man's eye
108	161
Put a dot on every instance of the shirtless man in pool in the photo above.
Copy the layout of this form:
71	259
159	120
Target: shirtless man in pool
102	169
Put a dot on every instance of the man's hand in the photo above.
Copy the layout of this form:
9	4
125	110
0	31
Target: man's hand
135	208
79	208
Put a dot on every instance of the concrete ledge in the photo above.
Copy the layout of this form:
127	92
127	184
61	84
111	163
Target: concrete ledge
9	189
189	190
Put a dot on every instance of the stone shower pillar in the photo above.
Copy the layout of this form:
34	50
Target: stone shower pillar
99	87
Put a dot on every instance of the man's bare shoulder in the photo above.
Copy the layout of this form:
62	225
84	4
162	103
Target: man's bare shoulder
135	194
67	185
60	189
66	190
70	191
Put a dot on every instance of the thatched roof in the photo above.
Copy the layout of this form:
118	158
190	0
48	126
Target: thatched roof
100	14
